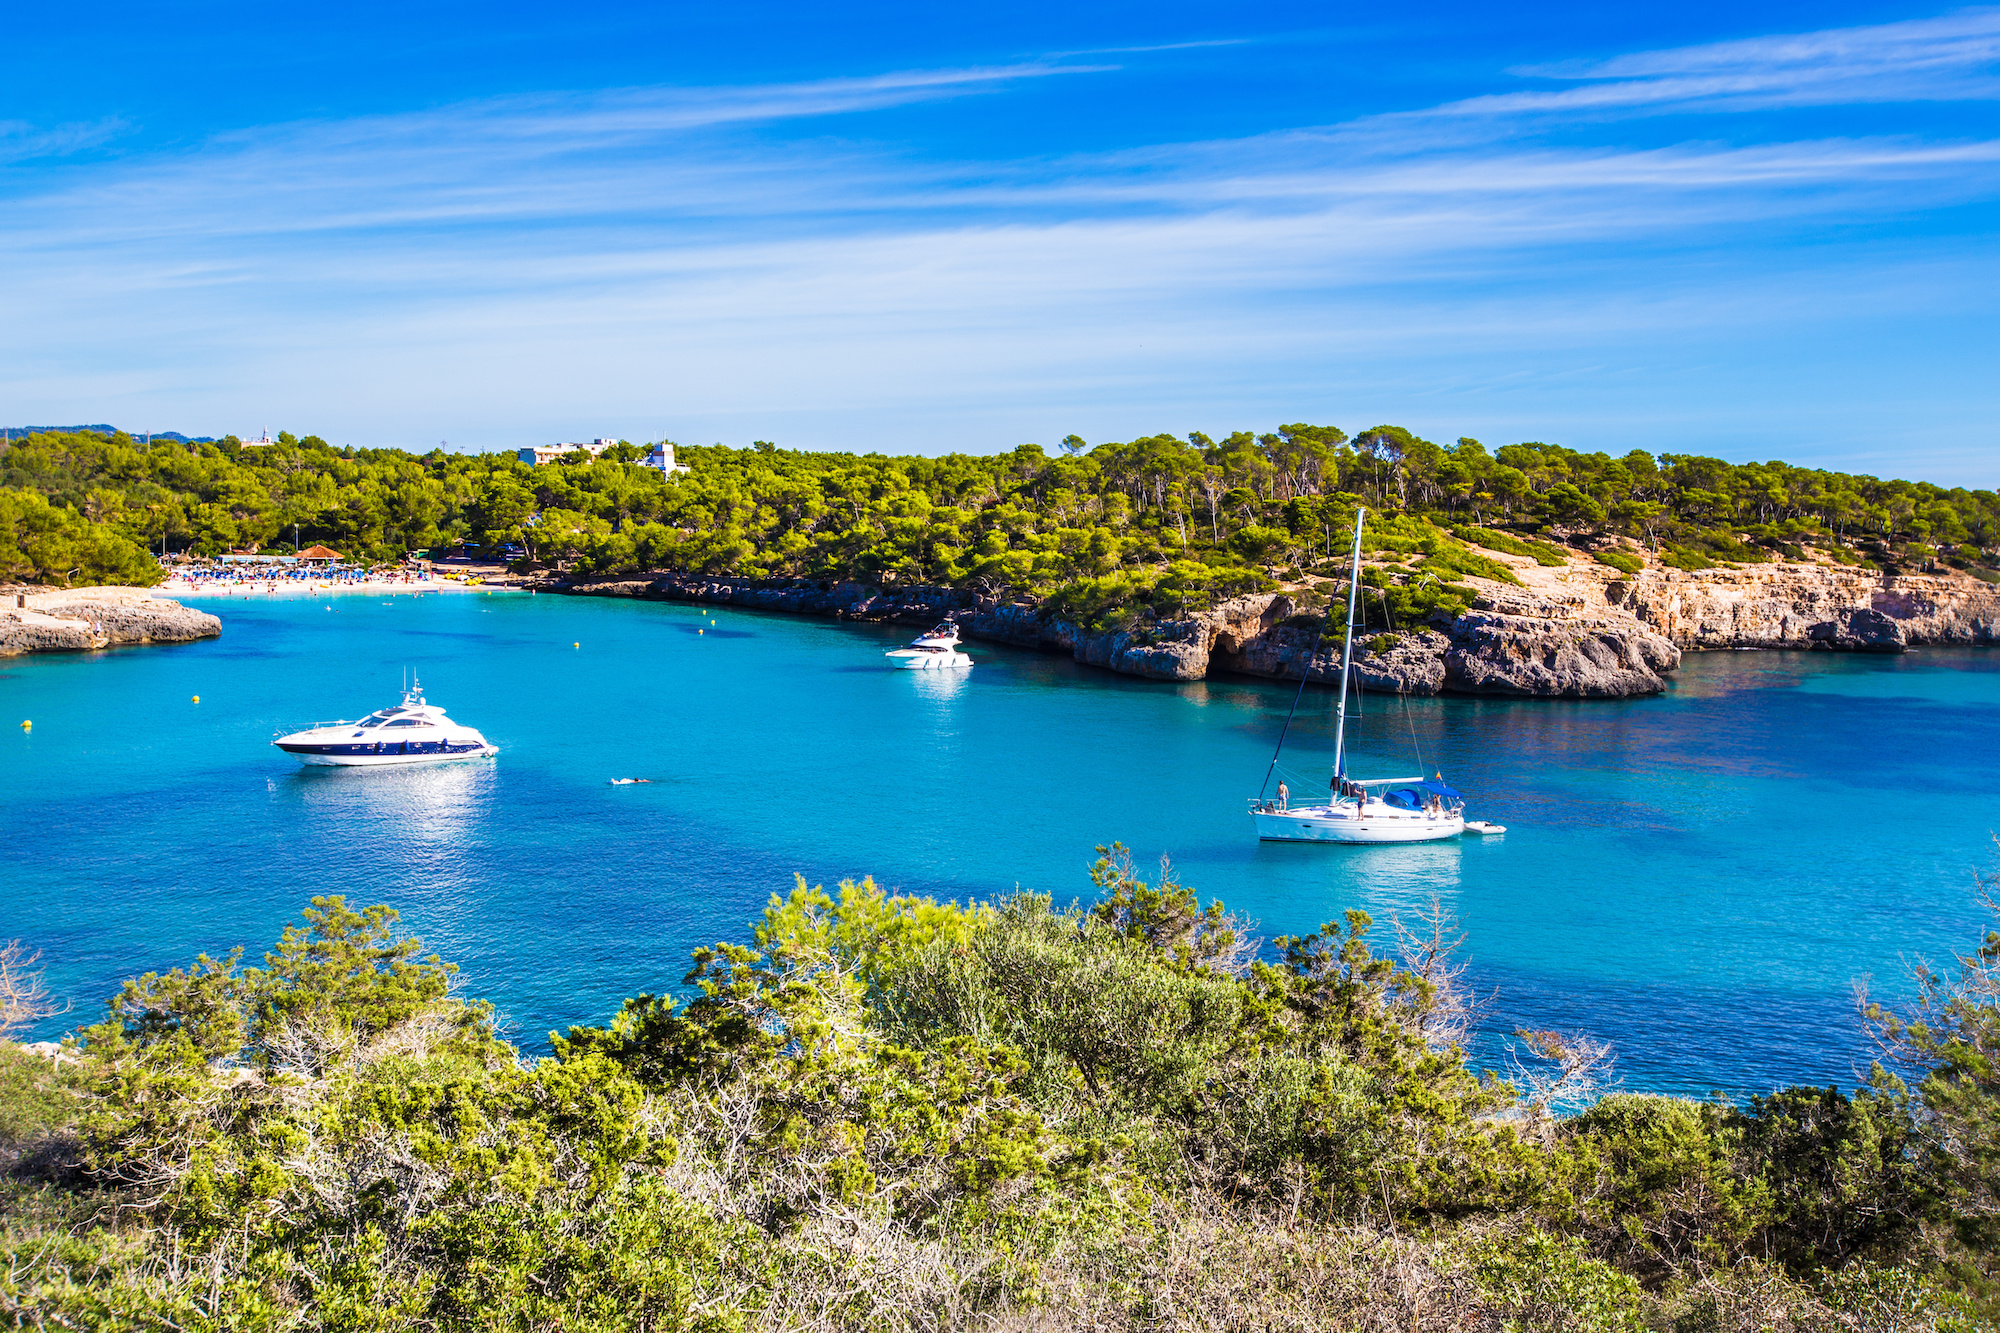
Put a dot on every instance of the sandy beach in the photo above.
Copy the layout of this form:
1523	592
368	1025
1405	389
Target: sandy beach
221	589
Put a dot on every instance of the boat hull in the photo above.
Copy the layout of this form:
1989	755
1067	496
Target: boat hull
1319	825
929	661
320	760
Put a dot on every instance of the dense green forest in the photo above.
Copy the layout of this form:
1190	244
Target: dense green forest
884	1113
1154	524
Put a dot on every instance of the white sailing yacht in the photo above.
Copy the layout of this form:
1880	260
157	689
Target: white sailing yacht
1370	810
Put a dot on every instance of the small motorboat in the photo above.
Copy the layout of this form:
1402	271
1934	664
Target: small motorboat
628	782
413	732
934	651
1484	826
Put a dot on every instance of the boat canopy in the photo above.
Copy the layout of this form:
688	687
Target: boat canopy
1388	782
1439	787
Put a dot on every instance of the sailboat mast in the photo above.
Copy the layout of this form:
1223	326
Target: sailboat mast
1347	649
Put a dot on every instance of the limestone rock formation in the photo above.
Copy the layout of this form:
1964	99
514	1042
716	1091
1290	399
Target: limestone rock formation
1782	605
1581	632
41	620
30	632
1406	663
1865	630
1549	657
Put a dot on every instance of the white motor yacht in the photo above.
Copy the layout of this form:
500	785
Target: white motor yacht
1375	810
935	651
413	732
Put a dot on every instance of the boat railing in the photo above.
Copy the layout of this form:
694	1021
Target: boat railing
1271	805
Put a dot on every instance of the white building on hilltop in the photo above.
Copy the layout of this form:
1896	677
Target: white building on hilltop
661	458
549	453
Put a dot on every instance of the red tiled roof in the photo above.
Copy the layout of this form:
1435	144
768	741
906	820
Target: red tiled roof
319	553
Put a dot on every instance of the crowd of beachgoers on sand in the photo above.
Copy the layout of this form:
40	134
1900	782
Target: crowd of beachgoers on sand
272	579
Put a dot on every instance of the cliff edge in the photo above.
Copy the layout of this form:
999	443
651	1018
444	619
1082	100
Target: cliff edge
1581	631
1534	648
48	620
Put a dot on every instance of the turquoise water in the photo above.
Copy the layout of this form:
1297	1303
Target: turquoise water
1699	877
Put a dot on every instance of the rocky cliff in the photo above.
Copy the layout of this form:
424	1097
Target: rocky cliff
1529	647
1794	604
1526	650
1584	631
42	620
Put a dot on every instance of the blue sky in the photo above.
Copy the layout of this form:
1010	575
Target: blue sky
1755	231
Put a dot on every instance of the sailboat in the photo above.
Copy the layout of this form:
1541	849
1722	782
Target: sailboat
1368	810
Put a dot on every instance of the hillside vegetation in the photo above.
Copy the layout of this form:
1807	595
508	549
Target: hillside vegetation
1153	525
883	1112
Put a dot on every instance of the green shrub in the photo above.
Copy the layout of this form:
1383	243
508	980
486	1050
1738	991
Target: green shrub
1449	559
1100	603
1682	557
1841	1172
33	1100
1723	545
1622	561
1658	1183
1542	552
1551	1284
886	1112
1894	1298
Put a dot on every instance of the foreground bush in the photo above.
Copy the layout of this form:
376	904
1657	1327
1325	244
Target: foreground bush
886	1112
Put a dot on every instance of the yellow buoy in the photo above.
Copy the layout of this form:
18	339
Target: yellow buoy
196	699
576	645
701	631
26	725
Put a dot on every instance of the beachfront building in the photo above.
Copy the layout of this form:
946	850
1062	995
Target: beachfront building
324	553
662	458
549	453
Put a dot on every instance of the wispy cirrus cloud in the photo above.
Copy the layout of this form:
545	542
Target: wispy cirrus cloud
499	263
1953	58
21	141
613	116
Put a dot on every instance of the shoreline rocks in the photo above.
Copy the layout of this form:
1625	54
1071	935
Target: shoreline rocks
1497	650
1859	631
1582	632
1594	658
1486	651
49	620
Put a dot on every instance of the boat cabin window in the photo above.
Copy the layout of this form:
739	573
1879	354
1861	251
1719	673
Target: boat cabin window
407	722
375	721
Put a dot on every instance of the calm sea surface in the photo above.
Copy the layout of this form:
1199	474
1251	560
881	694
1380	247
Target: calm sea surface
1700	877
